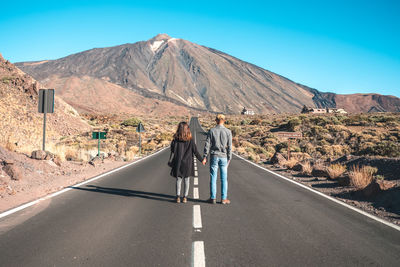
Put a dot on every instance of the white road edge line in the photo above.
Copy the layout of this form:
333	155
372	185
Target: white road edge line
198	256
26	205
325	196
197	217
195	181
195	193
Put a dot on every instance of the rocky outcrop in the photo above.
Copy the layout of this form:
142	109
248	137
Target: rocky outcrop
319	171
278	159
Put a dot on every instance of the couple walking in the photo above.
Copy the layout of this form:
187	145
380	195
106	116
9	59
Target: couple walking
183	149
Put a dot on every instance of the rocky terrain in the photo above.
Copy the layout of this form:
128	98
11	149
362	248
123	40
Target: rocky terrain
355	158
186	74
21	125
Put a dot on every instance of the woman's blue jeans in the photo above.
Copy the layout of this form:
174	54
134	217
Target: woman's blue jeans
222	164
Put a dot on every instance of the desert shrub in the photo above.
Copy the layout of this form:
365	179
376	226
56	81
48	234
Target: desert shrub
254	157
134	122
308	148
149	146
161	137
307	168
71	154
292	124
279	147
244	122
320	120
385	148
291	162
236	131
361	177
7	79
256	121
335	170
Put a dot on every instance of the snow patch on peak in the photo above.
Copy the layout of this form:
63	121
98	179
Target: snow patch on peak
154	46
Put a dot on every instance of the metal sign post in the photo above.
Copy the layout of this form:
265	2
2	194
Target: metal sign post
290	136
140	129
98	136
46	105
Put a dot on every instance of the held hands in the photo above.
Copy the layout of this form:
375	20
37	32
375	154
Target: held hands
204	161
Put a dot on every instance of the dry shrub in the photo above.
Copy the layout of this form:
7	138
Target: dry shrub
290	163
335	170
307	168
361	177
71	154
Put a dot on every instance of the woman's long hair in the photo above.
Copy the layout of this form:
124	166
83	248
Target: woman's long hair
183	132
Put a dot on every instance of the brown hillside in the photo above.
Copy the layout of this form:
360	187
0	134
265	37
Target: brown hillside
100	96
21	125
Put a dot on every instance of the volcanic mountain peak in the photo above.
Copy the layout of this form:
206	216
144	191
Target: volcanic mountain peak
188	74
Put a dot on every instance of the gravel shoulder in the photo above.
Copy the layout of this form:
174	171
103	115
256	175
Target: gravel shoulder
386	205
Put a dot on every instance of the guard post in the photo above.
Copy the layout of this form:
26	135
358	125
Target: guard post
140	130
290	136
46	105
99	136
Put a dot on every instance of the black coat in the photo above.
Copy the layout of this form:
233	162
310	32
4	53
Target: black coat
182	163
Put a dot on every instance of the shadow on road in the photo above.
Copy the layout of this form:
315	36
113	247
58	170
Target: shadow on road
133	193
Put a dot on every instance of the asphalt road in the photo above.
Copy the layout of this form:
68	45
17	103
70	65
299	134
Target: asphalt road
129	218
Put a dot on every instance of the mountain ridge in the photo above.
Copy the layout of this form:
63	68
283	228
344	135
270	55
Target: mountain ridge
194	76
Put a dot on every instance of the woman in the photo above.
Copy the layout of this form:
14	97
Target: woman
183	148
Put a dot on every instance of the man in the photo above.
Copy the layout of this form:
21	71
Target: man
219	146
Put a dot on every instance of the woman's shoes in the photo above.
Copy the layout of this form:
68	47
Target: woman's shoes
178	199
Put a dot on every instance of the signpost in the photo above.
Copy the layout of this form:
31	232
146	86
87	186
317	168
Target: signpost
99	136
140	130
290	136
46	105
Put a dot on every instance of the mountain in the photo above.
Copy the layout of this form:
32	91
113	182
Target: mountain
185	74
21	125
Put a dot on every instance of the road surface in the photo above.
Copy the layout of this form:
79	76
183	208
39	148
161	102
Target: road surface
129	218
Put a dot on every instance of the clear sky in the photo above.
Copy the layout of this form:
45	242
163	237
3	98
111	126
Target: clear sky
337	46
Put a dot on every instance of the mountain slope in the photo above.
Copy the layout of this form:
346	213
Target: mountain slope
21	125
185	73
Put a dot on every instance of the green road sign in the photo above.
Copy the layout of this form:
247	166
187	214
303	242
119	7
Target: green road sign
99	135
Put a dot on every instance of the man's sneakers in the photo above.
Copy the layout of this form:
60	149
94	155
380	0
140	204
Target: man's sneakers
184	200
212	201
225	201
178	200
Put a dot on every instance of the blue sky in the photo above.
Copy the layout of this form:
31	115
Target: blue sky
337	46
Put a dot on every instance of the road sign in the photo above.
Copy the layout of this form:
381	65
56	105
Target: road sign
295	135
46	101
46	105
140	128
99	135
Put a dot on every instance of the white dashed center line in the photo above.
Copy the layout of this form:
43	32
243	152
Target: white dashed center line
198	256
195	193
195	181
197	217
